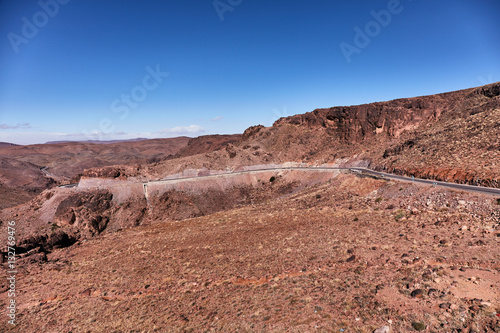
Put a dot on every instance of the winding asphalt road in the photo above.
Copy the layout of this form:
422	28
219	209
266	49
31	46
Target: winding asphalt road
485	190
51	175
461	187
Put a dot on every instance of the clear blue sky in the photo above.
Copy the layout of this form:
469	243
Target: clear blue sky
244	63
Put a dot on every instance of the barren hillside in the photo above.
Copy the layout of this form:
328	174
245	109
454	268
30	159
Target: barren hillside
20	181
452	136
275	250
351	254
69	159
21	177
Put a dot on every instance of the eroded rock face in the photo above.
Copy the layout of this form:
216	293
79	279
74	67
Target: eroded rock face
79	216
86	212
231	151
358	123
451	136
355	124
251	132
106	172
180	205
207	143
67	217
47	242
490	91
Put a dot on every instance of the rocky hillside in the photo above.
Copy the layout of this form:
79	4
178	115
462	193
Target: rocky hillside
20	181
450	136
206	144
388	120
21	177
350	255
272	251
69	159
463	148
7	144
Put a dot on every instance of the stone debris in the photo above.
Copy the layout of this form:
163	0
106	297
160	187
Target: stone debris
383	329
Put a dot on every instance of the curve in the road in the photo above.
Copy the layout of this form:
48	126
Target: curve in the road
461	187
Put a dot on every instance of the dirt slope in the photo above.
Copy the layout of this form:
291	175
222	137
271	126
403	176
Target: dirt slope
207	144
349	254
21	178
452	136
353	255
69	159
20	181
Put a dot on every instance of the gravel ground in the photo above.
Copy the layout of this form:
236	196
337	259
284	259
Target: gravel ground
349	255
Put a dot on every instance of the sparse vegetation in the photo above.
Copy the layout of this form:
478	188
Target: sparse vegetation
272	179
378	200
400	214
320	234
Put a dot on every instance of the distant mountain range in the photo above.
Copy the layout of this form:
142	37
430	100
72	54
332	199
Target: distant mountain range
7	144
97	141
